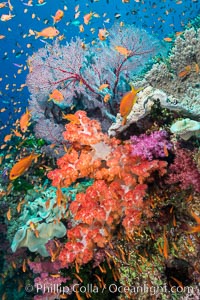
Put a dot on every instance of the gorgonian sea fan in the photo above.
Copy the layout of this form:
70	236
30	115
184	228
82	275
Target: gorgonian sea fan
79	71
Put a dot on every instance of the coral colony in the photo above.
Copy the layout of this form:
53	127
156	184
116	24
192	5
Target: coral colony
105	209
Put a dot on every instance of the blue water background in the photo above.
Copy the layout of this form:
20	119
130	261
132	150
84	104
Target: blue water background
160	18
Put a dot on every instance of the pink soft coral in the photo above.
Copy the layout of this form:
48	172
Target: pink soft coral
184	170
151	146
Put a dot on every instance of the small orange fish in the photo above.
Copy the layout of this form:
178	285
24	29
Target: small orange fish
81	28
49	32
178	33
8	214
47	204
17	133
3	4
24	266
103	33
72	118
25	121
7	137
177	281
55	275
58	16
87	18
78	277
122	50
106	98
196	66
22	166
8	17
19	206
185	72
56	95
103	86
2	36
168	39
165	245
194	228
165	150
127	102
10	5
14	265
60	196
61	37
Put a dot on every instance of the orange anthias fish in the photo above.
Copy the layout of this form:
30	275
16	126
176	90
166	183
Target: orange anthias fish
106	98
103	33
87	18
194	228
167	39
58	16
60	196
22	166
56	95
103	86
185	72
49	32
8	17
127	102
3	4
123	50
72	118
165	245
25	121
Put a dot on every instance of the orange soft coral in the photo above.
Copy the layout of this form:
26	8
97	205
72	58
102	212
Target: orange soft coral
115	200
88	132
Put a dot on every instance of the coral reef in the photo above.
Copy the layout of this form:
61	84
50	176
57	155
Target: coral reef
101	207
179	76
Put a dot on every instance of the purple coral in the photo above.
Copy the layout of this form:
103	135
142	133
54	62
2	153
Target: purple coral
45	266
151	146
78	70
184	171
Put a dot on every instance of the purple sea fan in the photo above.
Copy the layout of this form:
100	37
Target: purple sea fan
49	131
151	146
184	171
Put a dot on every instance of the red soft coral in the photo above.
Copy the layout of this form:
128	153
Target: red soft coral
116	196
